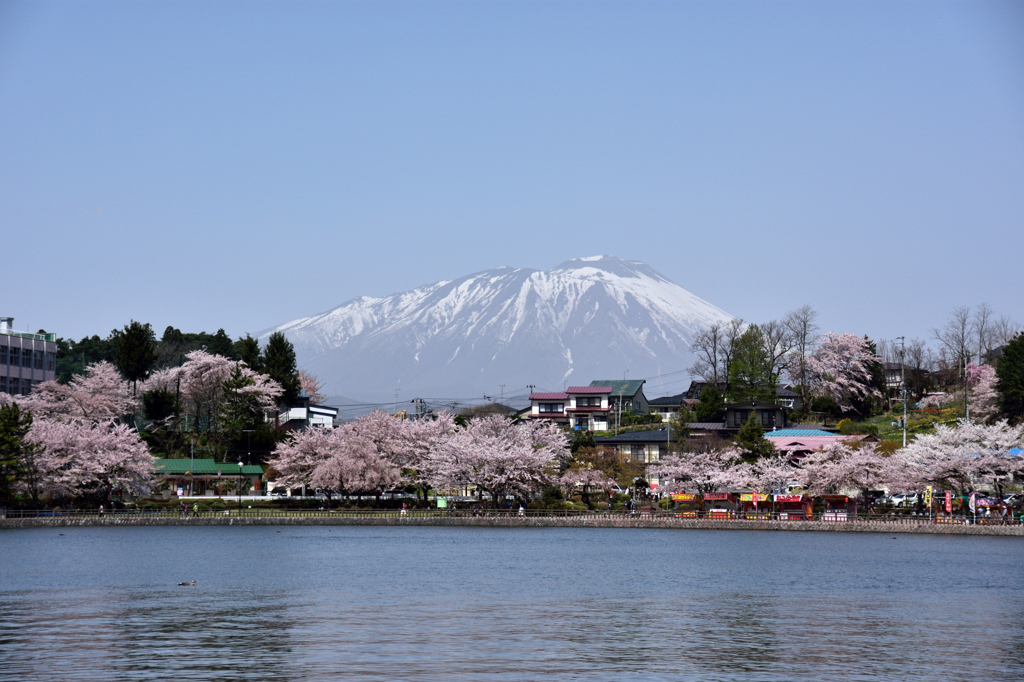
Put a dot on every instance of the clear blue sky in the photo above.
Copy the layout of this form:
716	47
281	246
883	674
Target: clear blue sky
240	164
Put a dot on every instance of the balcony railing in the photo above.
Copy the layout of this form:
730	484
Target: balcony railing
29	335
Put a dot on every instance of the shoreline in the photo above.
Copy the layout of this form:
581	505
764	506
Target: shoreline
665	523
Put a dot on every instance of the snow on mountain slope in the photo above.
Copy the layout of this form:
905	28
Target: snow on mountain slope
588	318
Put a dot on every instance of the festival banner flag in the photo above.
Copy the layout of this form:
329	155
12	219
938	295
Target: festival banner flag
949	502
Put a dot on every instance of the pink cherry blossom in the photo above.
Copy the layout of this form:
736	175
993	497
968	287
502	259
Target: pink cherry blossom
839	368
99	395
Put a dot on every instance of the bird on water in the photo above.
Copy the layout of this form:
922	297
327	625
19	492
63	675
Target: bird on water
187	584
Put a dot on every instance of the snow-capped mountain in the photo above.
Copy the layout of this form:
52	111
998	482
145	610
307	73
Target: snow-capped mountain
586	319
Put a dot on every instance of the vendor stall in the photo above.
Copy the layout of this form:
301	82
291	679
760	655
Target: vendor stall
839	508
719	505
686	505
756	505
793	507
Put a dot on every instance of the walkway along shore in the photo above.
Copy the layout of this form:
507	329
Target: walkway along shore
667	522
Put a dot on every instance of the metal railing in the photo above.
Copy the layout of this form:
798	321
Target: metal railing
712	515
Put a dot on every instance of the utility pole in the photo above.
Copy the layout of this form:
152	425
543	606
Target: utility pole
903	386
502	393
618	419
967	406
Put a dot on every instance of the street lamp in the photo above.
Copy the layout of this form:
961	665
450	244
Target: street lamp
248	459
239	486
248	451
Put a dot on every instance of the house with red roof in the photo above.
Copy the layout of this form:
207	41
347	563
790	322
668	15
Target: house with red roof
584	408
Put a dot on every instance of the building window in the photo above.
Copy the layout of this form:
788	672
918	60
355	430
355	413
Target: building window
552	408
26	357
3	384
742	416
51	362
26	386
3	355
15	358
37	358
588	402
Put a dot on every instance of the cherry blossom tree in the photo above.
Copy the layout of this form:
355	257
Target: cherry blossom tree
702	472
79	449
499	457
347	459
982	394
76	459
839	369
764	475
420	439
296	458
959	457
204	382
586	481
99	395
935	401
842	466
312	386
355	466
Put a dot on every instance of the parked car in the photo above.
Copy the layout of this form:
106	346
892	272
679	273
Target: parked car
904	500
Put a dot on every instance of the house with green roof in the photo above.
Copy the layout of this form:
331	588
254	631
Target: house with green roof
207	477
627	393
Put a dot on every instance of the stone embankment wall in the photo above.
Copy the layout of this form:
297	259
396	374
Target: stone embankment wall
522	522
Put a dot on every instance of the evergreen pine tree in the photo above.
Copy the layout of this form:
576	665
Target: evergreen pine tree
278	363
709	409
136	352
750	439
247	349
14	426
1010	384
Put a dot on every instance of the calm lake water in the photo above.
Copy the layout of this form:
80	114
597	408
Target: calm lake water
508	604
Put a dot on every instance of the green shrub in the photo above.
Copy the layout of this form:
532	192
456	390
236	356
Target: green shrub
553	495
849	428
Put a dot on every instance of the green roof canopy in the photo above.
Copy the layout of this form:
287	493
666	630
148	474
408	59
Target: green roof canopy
205	467
619	387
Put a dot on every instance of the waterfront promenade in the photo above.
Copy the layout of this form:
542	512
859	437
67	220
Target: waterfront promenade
877	524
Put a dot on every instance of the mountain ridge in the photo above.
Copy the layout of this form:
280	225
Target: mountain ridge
463	337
